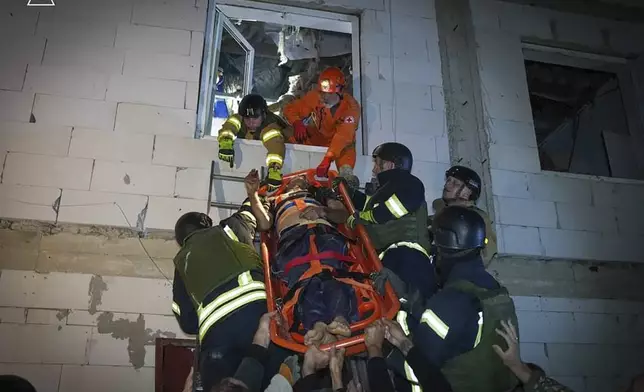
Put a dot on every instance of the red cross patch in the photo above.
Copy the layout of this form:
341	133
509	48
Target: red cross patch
349	120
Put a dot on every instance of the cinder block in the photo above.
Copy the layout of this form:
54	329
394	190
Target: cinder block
412	48
73	82
629	195
48	171
162	66
546	327
16	19
184	152
417	72
571	244
521	240
532	304
414	95
192	183
153	39
378	90
192	95
92	244
582	359
184	16
32	343
522	159
113	146
525	21
580	217
13	315
628	221
163	212
374	22
105	349
369	68
580	29
82	33
159	92
442	149
228	191
35	138
420	121
29	289
28	202
604	194
296	160
510	184
101	208
595	328
165	326
24	48
196	44
106	378
485	15
118	295
47	316
156	120
12	74
584	305
135	178
116	11
551	187
438	98
423	9
44	378
100	59
422	146
82	113
376	44
431	174
534	353
83	317
521	212
15	106
512	133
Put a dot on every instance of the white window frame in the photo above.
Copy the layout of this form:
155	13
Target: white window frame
272	13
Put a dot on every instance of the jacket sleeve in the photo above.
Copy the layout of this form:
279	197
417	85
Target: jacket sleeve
359	200
300	108
378	376
448	326
429	376
230	128
406	197
345	131
183	308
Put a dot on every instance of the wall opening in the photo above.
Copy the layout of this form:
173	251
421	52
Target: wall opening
275	51
580	117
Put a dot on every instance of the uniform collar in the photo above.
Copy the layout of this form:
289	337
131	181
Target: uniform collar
388	175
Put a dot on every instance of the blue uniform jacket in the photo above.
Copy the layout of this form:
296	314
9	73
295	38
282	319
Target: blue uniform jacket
450	325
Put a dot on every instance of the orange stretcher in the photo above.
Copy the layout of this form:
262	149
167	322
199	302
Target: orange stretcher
371	305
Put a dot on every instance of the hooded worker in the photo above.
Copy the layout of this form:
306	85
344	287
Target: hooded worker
327	117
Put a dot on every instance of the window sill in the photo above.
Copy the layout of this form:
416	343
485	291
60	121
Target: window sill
294	147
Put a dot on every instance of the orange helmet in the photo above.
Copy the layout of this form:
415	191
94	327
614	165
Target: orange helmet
331	80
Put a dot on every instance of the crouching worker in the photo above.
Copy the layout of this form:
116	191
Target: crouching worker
311	258
218	289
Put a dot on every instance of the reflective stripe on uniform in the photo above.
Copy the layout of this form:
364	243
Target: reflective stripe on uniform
176	308
231	233
479	333
249	215
274	158
396	208
234	121
226	134
412	245
435	323
273	133
367	216
248	291
401	317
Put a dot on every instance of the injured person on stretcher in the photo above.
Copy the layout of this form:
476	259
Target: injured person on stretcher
311	257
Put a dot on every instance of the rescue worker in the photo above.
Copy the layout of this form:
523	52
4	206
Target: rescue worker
458	324
255	121
327	117
218	289
463	188
310	254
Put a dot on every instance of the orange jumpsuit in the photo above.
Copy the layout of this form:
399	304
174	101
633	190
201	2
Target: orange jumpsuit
333	128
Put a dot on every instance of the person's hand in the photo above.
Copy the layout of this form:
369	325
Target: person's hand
512	357
314	360
251	182
322	170
263	335
299	131
396	336
373	338
187	387
336	363
226	151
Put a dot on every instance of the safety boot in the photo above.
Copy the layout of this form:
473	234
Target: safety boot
274	177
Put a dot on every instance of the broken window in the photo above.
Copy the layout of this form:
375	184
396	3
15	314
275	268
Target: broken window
580	120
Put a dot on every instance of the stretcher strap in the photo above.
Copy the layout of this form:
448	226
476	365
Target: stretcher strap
317	256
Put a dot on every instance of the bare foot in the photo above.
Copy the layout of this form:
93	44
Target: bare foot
339	327
315	335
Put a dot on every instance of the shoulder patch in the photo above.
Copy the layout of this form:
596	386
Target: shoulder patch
349	120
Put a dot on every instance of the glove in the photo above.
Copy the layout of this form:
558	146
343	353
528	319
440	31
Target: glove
335	185
386	275
355	219
299	131
226	151
323	167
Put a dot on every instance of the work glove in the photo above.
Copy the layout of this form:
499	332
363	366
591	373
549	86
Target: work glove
226	151
355	219
323	167
299	131
410	300
350	187
274	178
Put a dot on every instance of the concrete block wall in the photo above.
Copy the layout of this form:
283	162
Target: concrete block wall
541	213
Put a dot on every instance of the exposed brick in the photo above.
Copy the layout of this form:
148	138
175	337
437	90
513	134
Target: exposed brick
163	212
420	121
512	133
135	178
522	159
15	106
159	92
552	187
12	74
44	378
192	95
48	171
571	244
156	120
521	212
184	152
18	249
183	16
43	343
83	113
521	240
153	39
118	297
580	217
47	316
12	315
35	138
28	202
101	59
100	208
73	82
510	184
192	183
105	378
114	146
79	32
162	66
29	289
